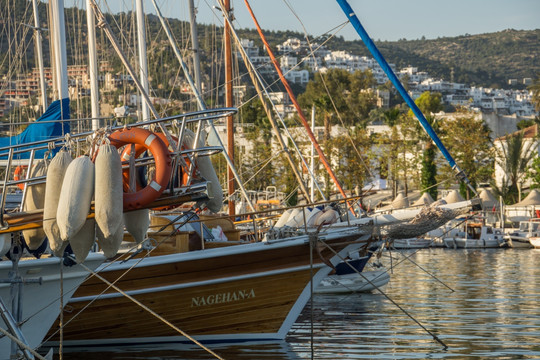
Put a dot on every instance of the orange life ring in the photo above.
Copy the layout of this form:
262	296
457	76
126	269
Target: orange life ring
17	175
139	149
148	141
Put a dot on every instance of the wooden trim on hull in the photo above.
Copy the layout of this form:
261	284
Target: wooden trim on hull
182	270
218	297
244	306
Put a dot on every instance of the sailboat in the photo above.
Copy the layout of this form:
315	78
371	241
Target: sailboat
33	287
226	291
199	289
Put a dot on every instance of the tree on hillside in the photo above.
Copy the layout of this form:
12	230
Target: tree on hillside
429	103
467	139
513	155
351	167
348	94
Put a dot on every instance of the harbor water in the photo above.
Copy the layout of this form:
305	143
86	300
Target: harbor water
481	304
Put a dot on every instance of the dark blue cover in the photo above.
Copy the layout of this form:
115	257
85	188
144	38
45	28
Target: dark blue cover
358	264
41	131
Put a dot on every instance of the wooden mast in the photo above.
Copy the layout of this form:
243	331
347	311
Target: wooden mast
229	103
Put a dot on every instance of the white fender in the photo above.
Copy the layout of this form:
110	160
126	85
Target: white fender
298	219
75	198
313	216
292	215
108	192
35	199
207	171
283	218
328	217
110	245
55	177
137	223
82	242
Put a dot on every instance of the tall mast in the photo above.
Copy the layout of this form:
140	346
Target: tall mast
39	51
60	55
93	67
195	45
229	102
143	64
200	103
261	91
312	165
285	83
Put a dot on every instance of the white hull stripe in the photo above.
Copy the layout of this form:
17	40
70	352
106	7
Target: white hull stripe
221	338
197	283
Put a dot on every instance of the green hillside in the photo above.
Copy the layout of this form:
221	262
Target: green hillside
487	60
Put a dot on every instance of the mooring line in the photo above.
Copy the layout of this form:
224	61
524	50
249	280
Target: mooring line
111	285
408	257
435	337
21	344
152	312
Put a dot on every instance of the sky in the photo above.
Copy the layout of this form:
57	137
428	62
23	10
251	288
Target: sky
383	19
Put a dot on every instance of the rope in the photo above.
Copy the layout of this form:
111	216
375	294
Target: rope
109	285
146	308
21	344
60	348
408	257
435	337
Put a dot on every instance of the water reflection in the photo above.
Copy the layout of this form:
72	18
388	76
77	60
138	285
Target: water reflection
260	350
491	313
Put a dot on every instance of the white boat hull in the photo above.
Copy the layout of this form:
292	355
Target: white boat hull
363	282
41	302
412	243
519	242
463	243
535	242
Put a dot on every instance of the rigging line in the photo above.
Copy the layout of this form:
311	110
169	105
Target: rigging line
21	344
312	137
152	312
20	49
262	165
435	337
265	64
257	79
268	86
130	50
92	274
328	91
407	257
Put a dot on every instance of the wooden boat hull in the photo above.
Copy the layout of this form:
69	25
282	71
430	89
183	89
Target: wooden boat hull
238	293
41	302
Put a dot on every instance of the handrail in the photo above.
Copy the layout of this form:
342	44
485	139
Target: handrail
3	225
211	114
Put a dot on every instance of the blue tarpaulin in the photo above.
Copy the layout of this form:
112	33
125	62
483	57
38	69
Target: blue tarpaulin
41	129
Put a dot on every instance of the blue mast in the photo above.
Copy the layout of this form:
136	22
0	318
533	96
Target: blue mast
392	76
